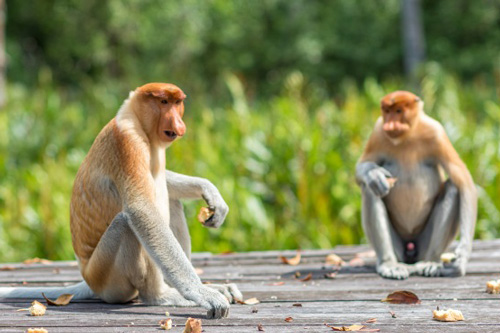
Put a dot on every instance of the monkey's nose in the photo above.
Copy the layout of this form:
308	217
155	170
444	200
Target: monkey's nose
171	135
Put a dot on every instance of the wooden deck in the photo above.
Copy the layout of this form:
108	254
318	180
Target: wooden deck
352	297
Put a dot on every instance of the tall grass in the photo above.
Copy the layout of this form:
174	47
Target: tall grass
284	165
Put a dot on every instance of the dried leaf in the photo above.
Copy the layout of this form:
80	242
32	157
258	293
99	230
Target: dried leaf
307	277
250	301
402	297
331	275
192	326
205	214
165	324
277	283
7	268
260	328
356	262
37	330
493	287
448	315
37	261
334	260
370	321
64	299
297	305
351	328
288	319
293	261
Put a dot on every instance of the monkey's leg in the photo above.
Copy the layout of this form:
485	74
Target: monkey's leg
440	231
180	229
384	239
120	269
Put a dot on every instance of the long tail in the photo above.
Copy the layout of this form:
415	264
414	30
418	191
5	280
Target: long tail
80	291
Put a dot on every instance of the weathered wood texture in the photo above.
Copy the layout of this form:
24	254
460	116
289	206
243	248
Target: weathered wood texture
351	298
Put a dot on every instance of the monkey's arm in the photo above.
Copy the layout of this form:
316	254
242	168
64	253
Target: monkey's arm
186	187
467	213
149	225
373	176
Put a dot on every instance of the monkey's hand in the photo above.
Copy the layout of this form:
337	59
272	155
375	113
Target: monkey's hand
393	270
376	180
215	302
216	204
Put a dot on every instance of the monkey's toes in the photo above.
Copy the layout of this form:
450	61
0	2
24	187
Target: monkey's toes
393	271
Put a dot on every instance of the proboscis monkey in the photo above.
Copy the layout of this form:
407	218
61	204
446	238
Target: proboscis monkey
410	211
128	226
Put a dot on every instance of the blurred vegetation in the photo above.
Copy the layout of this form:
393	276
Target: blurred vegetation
281	98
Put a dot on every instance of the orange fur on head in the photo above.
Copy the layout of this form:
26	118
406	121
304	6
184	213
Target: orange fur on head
399	111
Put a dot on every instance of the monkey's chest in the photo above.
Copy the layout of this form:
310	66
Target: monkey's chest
410	201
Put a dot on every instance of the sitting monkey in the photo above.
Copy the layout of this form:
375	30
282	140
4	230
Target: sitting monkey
410	212
128	226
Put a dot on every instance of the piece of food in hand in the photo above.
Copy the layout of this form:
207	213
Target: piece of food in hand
392	181
448	315
493	287
448	257
205	214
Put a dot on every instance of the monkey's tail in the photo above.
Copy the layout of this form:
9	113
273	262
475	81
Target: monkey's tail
80	291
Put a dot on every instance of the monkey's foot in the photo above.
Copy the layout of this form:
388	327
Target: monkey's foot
396	271
170	297
456	268
428	268
229	290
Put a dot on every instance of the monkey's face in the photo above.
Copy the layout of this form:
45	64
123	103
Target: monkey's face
399	110
170	124
166	101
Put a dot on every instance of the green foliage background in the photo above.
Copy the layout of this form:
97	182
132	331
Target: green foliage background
281	98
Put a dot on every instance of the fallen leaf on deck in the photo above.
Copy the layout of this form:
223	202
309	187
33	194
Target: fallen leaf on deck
277	283
292	261
192	326
7	268
334	260
37	330
297	304
332	275
307	277
250	301
355	262
36	309
402	297
448	315
493	287
205	214
353	328
260	328
370	321
37	261
60	301
165	324
288	319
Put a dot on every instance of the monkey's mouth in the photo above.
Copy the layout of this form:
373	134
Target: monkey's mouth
171	136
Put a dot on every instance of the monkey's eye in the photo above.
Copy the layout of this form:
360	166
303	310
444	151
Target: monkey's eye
398	111
164	101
